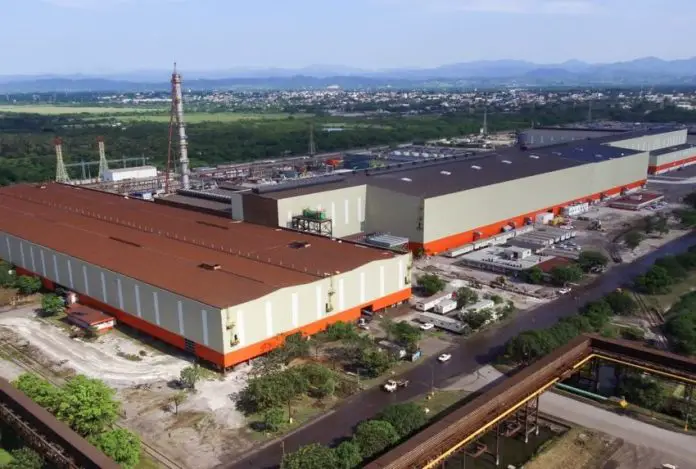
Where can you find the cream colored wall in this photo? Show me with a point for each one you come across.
(182, 316)
(394, 213)
(666, 158)
(465, 211)
(653, 142)
(345, 207)
(294, 307)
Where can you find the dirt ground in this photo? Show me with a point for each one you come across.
(208, 427)
(577, 449)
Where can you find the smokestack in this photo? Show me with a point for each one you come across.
(61, 171)
(178, 101)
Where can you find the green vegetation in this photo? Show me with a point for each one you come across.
(49, 110)
(563, 275)
(666, 272)
(592, 260)
(621, 303)
(88, 407)
(52, 305)
(633, 239)
(7, 275)
(394, 423)
(466, 296)
(28, 285)
(656, 224)
(680, 325)
(431, 284)
(25, 458)
(191, 375)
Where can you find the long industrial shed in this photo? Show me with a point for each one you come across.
(442, 204)
(226, 291)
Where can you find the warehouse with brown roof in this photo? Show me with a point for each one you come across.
(224, 290)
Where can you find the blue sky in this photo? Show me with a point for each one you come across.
(103, 36)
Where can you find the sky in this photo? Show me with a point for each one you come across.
(113, 36)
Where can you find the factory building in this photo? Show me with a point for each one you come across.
(456, 200)
(223, 290)
(670, 148)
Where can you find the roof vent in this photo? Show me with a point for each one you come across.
(507, 161)
(446, 173)
(299, 244)
(535, 157)
(210, 266)
(406, 179)
(475, 167)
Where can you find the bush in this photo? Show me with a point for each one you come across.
(405, 418)
(28, 285)
(52, 305)
(633, 239)
(680, 324)
(621, 303)
(341, 331)
(348, 454)
(314, 456)
(374, 436)
(7, 275)
(534, 276)
(655, 281)
(431, 283)
(562, 275)
(590, 260)
(466, 296)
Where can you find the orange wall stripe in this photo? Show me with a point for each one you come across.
(449, 242)
(667, 166)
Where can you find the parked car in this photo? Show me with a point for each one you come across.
(392, 385)
(427, 326)
(444, 357)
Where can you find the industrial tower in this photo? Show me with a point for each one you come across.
(61, 171)
(312, 145)
(103, 164)
(176, 118)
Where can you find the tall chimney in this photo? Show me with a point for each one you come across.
(177, 97)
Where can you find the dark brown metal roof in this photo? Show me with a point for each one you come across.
(165, 246)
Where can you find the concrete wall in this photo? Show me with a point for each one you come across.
(195, 321)
(394, 213)
(535, 138)
(252, 322)
(345, 207)
(653, 142)
(464, 211)
(291, 308)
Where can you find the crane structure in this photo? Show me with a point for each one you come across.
(176, 119)
(61, 170)
(103, 163)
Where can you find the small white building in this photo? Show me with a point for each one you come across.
(575, 209)
(124, 174)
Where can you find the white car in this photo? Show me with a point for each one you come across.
(444, 357)
(563, 291)
(427, 326)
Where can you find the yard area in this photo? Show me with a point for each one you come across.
(577, 449)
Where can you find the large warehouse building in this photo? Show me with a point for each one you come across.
(453, 201)
(226, 291)
(669, 148)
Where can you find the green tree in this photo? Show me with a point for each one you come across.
(591, 260)
(643, 392)
(178, 399)
(52, 305)
(466, 296)
(274, 419)
(28, 285)
(598, 313)
(87, 405)
(477, 319)
(374, 436)
(407, 335)
(190, 375)
(25, 458)
(621, 303)
(655, 281)
(295, 346)
(321, 380)
(680, 324)
(313, 456)
(121, 445)
(375, 361)
(341, 331)
(405, 418)
(562, 275)
(633, 239)
(7, 275)
(632, 333)
(534, 276)
(387, 325)
(431, 283)
(348, 454)
(39, 390)
(657, 223)
(690, 199)
(528, 346)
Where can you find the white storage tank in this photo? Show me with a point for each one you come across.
(124, 174)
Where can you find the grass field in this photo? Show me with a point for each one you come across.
(49, 110)
(143, 114)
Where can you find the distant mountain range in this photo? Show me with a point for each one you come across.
(643, 71)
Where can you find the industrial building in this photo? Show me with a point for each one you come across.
(671, 148)
(455, 200)
(223, 290)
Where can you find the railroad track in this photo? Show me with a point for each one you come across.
(654, 318)
(34, 366)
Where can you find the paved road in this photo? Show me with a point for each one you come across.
(467, 357)
(679, 449)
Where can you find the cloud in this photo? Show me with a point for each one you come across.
(534, 7)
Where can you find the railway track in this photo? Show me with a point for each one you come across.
(12, 354)
(654, 318)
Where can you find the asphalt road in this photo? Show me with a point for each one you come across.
(467, 357)
(671, 447)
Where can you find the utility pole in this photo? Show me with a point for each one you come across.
(103, 163)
